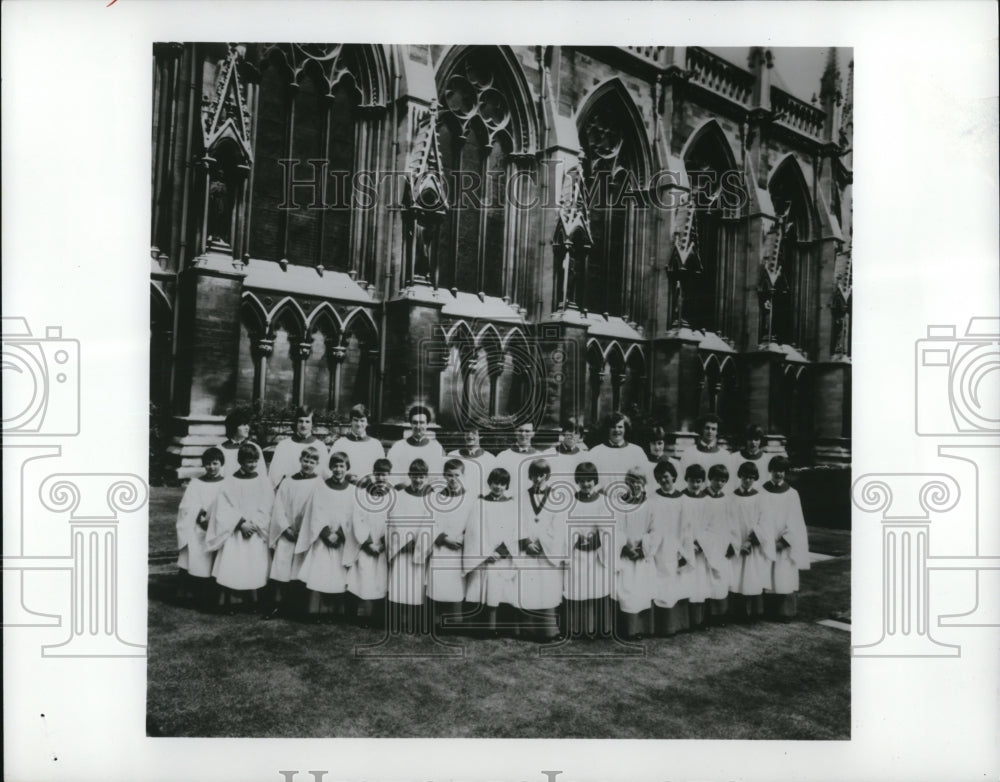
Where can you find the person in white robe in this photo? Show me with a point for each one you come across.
(706, 565)
(237, 434)
(720, 529)
(283, 533)
(567, 455)
(194, 560)
(615, 455)
(237, 532)
(515, 460)
(543, 553)
(488, 558)
(285, 460)
(752, 452)
(362, 450)
(656, 451)
(633, 546)
(673, 556)
(409, 527)
(477, 462)
(782, 509)
(707, 450)
(590, 572)
(418, 445)
(326, 527)
(365, 550)
(757, 554)
(452, 508)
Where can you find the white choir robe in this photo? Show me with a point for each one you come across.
(289, 505)
(477, 470)
(288, 452)
(737, 460)
(672, 580)
(362, 454)
(409, 520)
(491, 583)
(541, 576)
(231, 451)
(241, 563)
(634, 579)
(368, 576)
(653, 485)
(711, 569)
(752, 572)
(404, 452)
(719, 525)
(193, 556)
(783, 510)
(564, 464)
(590, 573)
(323, 567)
(452, 514)
(614, 461)
(516, 463)
(707, 458)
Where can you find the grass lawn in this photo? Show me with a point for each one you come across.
(213, 675)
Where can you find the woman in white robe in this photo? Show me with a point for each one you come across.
(237, 532)
(286, 523)
(237, 435)
(326, 526)
(194, 560)
(673, 556)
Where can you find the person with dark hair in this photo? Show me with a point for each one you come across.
(719, 527)
(656, 451)
(285, 460)
(752, 451)
(568, 452)
(692, 525)
(419, 445)
(237, 434)
(634, 557)
(753, 572)
(673, 556)
(283, 533)
(477, 463)
(237, 531)
(615, 454)
(515, 460)
(706, 450)
(542, 543)
(783, 510)
(322, 541)
(365, 558)
(194, 561)
(452, 508)
(361, 449)
(408, 532)
(488, 557)
(587, 607)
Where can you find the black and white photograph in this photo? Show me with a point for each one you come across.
(500, 391)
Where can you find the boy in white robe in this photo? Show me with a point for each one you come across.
(417, 446)
(542, 545)
(782, 508)
(719, 526)
(488, 557)
(692, 524)
(673, 556)
(194, 561)
(515, 460)
(286, 522)
(590, 572)
(409, 526)
(237, 434)
(616, 455)
(237, 531)
(568, 454)
(633, 545)
(707, 450)
(452, 507)
(364, 555)
(326, 526)
(285, 460)
(752, 451)
(753, 566)
(477, 462)
(362, 451)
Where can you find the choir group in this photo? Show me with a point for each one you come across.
(568, 542)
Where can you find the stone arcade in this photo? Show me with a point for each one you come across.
(503, 234)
